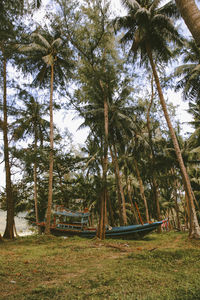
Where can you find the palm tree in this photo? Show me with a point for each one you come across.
(7, 36)
(9, 233)
(189, 72)
(150, 29)
(191, 15)
(47, 56)
(31, 123)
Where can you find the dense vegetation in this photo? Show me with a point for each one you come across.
(115, 73)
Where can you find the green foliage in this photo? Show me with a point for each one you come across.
(149, 24)
(189, 72)
(90, 66)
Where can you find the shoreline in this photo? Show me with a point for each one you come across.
(22, 227)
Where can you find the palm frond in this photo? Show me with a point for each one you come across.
(131, 4)
(57, 42)
(195, 150)
(154, 5)
(42, 39)
(170, 10)
(31, 47)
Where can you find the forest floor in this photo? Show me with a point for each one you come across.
(161, 266)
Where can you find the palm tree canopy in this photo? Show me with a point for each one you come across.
(44, 50)
(190, 72)
(149, 24)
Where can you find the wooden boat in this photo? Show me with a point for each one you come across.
(71, 223)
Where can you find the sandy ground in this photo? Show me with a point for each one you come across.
(21, 224)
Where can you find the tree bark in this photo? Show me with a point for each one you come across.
(35, 178)
(102, 222)
(111, 214)
(195, 230)
(50, 192)
(142, 194)
(121, 221)
(120, 185)
(191, 16)
(154, 182)
(130, 199)
(176, 205)
(9, 232)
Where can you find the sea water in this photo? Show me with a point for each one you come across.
(21, 224)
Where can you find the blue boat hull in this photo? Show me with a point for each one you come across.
(126, 232)
(122, 232)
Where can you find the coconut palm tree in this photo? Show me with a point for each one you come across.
(149, 28)
(190, 72)
(191, 15)
(51, 58)
(31, 123)
(8, 35)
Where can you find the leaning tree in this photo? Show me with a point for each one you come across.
(150, 30)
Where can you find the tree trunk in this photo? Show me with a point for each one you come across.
(176, 202)
(50, 192)
(155, 185)
(35, 177)
(111, 214)
(121, 221)
(142, 194)
(9, 232)
(103, 210)
(195, 230)
(120, 185)
(191, 16)
(130, 199)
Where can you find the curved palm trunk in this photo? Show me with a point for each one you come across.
(9, 232)
(141, 190)
(191, 16)
(50, 192)
(195, 230)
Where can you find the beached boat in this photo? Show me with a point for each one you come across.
(71, 223)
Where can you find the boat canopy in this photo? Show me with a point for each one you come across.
(60, 211)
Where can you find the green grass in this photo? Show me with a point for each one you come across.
(165, 266)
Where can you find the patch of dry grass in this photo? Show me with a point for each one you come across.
(165, 266)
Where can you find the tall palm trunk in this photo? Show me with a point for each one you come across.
(121, 222)
(103, 209)
(50, 192)
(195, 230)
(191, 15)
(142, 194)
(116, 165)
(111, 214)
(176, 205)
(35, 178)
(155, 185)
(9, 232)
(128, 183)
